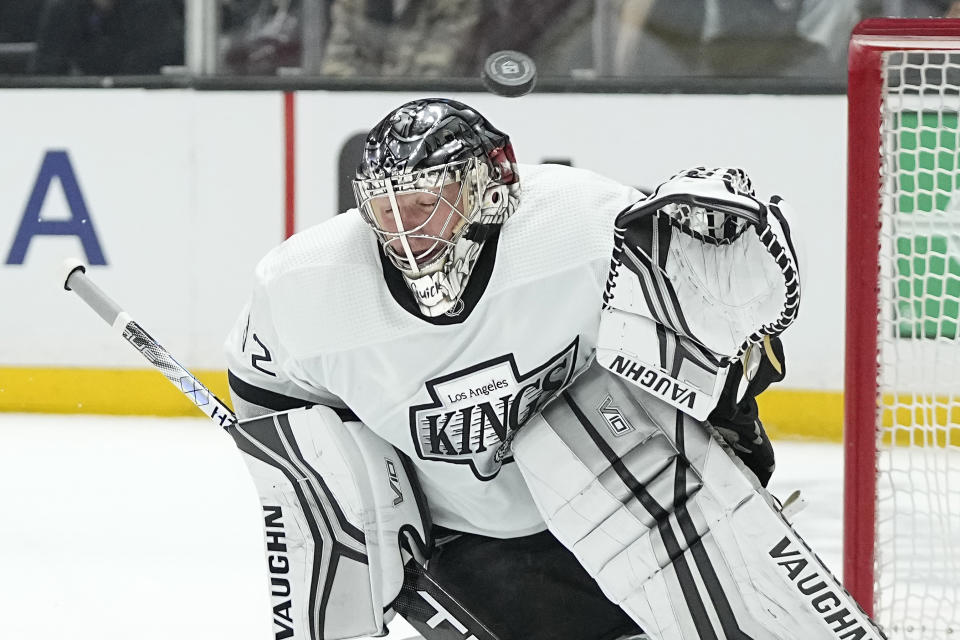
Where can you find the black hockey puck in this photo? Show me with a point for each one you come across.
(509, 73)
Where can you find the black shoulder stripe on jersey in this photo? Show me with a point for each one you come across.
(695, 604)
(277, 401)
(476, 285)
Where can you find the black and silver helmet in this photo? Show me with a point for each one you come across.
(453, 175)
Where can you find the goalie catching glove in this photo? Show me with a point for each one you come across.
(701, 271)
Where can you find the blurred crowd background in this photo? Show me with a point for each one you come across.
(443, 38)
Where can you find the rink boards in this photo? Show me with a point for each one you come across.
(177, 194)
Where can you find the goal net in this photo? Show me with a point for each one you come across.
(902, 385)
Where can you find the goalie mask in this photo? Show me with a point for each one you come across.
(436, 181)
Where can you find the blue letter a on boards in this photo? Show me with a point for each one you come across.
(56, 164)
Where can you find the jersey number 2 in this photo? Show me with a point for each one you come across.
(257, 358)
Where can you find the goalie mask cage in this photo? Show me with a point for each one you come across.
(902, 377)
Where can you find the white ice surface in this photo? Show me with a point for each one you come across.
(149, 528)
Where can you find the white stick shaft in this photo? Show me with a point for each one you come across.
(78, 282)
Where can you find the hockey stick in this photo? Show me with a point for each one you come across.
(77, 281)
(423, 602)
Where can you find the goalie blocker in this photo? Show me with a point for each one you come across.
(347, 532)
(341, 517)
(671, 525)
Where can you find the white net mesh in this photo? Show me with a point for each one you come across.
(917, 579)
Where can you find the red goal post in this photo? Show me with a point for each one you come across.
(902, 368)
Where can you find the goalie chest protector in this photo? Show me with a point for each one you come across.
(449, 395)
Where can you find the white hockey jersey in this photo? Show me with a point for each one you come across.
(330, 322)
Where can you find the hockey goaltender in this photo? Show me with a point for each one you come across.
(518, 402)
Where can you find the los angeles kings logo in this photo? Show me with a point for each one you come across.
(476, 411)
